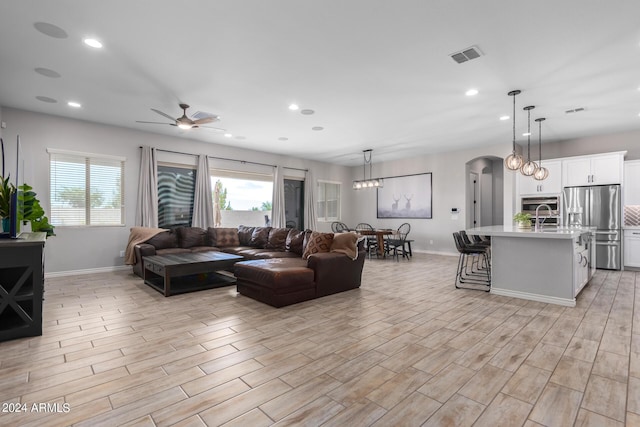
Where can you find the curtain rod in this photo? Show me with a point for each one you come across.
(231, 160)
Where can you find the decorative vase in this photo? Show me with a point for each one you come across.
(6, 224)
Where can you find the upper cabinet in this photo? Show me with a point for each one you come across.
(593, 170)
(632, 182)
(552, 185)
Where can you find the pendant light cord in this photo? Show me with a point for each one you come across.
(528, 135)
(540, 142)
(514, 122)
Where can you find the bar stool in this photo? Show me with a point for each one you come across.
(475, 275)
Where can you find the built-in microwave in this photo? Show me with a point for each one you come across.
(530, 204)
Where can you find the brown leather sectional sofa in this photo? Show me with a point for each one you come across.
(275, 271)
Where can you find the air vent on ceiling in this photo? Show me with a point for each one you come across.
(466, 55)
(575, 110)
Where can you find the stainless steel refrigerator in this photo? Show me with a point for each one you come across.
(597, 206)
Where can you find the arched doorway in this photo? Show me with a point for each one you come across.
(484, 192)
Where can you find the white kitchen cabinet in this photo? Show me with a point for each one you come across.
(632, 182)
(593, 170)
(527, 185)
(632, 248)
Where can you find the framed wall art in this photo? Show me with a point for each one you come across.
(407, 196)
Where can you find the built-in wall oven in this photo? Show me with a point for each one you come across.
(530, 204)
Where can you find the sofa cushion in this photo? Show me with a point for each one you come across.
(244, 234)
(191, 236)
(277, 239)
(164, 240)
(318, 243)
(295, 241)
(226, 237)
(346, 243)
(278, 275)
(259, 237)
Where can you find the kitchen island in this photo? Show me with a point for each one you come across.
(551, 265)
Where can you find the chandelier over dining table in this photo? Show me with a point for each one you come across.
(371, 182)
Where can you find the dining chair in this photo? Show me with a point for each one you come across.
(339, 227)
(371, 239)
(396, 243)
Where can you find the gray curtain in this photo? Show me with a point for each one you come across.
(278, 217)
(310, 217)
(147, 204)
(202, 199)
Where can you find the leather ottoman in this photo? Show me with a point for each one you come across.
(277, 282)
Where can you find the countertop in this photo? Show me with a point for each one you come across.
(548, 233)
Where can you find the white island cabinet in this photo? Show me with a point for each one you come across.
(550, 266)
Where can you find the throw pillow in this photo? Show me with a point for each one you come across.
(259, 237)
(346, 243)
(277, 239)
(227, 237)
(294, 241)
(318, 243)
(244, 234)
(189, 237)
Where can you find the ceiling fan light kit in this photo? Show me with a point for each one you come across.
(371, 182)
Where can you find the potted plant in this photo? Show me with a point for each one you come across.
(33, 212)
(6, 190)
(522, 219)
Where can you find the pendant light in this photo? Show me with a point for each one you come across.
(529, 167)
(371, 182)
(514, 160)
(541, 173)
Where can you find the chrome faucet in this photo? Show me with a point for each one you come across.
(539, 226)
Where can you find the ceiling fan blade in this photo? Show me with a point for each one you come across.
(205, 120)
(163, 114)
(156, 123)
(215, 129)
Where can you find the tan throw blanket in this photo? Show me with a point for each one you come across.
(138, 235)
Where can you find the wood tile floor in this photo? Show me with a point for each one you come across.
(406, 349)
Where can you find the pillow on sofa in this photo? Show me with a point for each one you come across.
(295, 241)
(277, 239)
(346, 243)
(259, 237)
(164, 240)
(189, 237)
(244, 234)
(226, 237)
(318, 243)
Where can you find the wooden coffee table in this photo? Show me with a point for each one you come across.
(173, 274)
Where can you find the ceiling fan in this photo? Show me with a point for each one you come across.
(185, 122)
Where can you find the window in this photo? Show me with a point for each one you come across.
(176, 189)
(241, 198)
(328, 201)
(86, 189)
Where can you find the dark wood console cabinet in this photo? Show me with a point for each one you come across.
(21, 285)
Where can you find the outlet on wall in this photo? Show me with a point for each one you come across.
(121, 254)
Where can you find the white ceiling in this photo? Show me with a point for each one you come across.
(377, 73)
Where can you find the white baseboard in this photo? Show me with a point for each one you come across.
(534, 297)
(51, 274)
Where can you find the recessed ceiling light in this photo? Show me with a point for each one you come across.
(526, 134)
(504, 117)
(471, 92)
(74, 104)
(228, 135)
(317, 128)
(307, 112)
(93, 43)
(293, 107)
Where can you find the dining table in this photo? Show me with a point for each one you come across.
(379, 233)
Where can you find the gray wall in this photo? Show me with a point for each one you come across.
(450, 176)
(78, 248)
